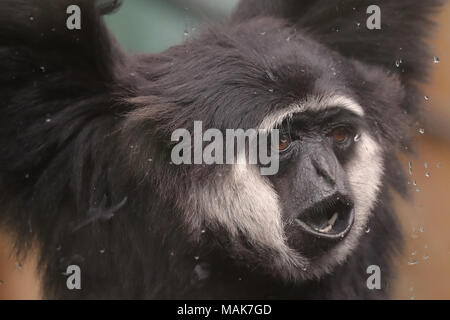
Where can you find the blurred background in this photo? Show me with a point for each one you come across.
(423, 270)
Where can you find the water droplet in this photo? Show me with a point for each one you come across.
(413, 253)
(19, 266)
(421, 131)
(186, 33)
(426, 257)
(149, 159)
(203, 231)
(27, 176)
(421, 229)
(172, 253)
(102, 251)
(196, 258)
(436, 60)
(410, 167)
(358, 24)
(202, 271)
(425, 165)
(288, 39)
(270, 90)
(42, 68)
(262, 33)
(418, 190)
(398, 63)
(367, 229)
(48, 120)
(427, 174)
(413, 262)
(426, 98)
(31, 18)
(414, 183)
(271, 75)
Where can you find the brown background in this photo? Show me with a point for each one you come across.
(424, 267)
(430, 210)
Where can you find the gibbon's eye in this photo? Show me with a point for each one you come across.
(285, 142)
(341, 134)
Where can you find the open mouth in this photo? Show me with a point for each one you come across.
(330, 218)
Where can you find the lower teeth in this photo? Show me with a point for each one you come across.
(331, 223)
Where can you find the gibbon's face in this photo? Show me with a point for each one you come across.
(314, 183)
(301, 222)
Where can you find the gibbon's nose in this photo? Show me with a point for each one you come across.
(325, 168)
(330, 218)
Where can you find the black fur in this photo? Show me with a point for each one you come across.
(85, 137)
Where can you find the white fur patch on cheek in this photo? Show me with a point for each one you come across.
(364, 174)
(244, 203)
(250, 205)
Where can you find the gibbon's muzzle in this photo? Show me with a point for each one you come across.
(331, 218)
